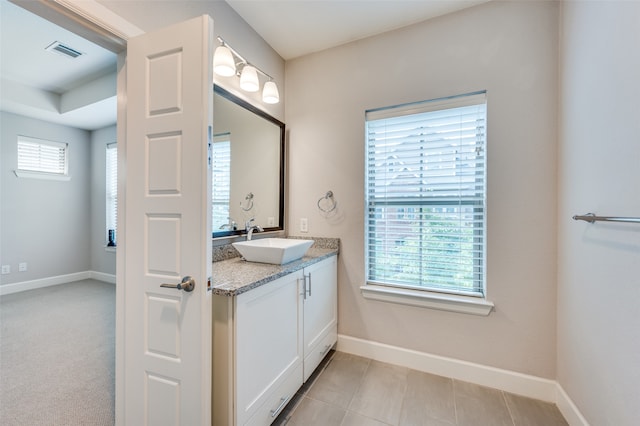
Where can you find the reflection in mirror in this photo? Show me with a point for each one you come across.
(248, 166)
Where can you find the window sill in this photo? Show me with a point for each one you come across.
(41, 175)
(427, 299)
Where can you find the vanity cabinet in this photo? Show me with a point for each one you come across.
(320, 299)
(267, 341)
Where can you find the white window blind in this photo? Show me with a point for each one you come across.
(112, 192)
(221, 176)
(42, 156)
(425, 195)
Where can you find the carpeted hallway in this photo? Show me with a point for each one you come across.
(57, 355)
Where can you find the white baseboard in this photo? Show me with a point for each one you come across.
(506, 380)
(101, 276)
(568, 409)
(60, 279)
(509, 381)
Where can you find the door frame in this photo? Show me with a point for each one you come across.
(103, 27)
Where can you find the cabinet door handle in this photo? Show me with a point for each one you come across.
(326, 349)
(309, 282)
(283, 402)
(304, 287)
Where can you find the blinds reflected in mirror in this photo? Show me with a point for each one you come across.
(221, 179)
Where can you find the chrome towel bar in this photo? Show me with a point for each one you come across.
(591, 218)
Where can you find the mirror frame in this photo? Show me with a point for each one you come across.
(253, 109)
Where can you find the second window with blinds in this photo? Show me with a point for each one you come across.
(111, 191)
(425, 198)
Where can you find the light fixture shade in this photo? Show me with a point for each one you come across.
(249, 79)
(270, 93)
(223, 62)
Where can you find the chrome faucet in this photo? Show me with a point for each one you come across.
(249, 227)
(232, 225)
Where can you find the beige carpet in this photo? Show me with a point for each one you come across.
(57, 355)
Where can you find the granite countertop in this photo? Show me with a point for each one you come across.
(235, 276)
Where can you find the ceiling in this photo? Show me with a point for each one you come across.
(81, 92)
(299, 27)
(48, 85)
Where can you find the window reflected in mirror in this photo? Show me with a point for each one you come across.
(221, 177)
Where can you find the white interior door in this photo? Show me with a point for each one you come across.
(167, 331)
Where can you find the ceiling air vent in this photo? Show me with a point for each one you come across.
(67, 51)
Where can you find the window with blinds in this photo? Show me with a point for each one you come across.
(112, 193)
(425, 195)
(42, 156)
(221, 175)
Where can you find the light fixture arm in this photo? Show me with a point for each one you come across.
(225, 62)
(241, 58)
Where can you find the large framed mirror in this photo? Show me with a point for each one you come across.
(248, 166)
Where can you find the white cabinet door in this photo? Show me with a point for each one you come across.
(167, 331)
(268, 345)
(269, 340)
(320, 312)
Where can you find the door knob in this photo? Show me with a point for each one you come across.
(187, 284)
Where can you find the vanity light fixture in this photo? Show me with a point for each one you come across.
(249, 79)
(227, 62)
(270, 93)
(223, 62)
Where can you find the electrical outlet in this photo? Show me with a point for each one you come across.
(22, 267)
(304, 225)
(271, 221)
(6, 269)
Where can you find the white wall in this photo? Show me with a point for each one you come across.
(45, 223)
(56, 227)
(101, 260)
(509, 49)
(599, 164)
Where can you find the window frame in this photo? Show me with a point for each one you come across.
(417, 294)
(62, 175)
(111, 193)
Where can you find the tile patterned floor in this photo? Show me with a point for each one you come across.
(349, 390)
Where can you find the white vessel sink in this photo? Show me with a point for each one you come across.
(273, 250)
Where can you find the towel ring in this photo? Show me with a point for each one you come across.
(328, 196)
(249, 199)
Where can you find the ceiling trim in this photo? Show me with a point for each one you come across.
(87, 18)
